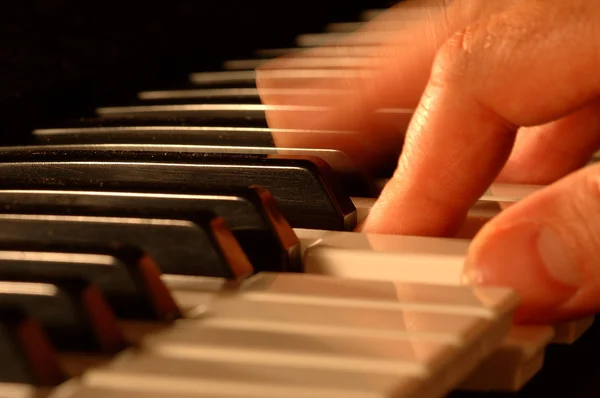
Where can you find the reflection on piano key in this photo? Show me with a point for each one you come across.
(365, 38)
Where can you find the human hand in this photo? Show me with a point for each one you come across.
(504, 90)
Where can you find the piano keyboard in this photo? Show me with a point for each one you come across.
(167, 248)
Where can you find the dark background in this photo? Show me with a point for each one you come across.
(61, 58)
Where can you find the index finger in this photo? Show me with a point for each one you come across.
(490, 78)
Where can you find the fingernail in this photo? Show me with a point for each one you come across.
(528, 257)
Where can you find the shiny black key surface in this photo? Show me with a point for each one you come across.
(305, 188)
(72, 311)
(26, 354)
(152, 131)
(252, 215)
(128, 277)
(202, 248)
(353, 179)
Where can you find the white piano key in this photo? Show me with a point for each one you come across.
(343, 27)
(417, 349)
(509, 193)
(150, 372)
(302, 62)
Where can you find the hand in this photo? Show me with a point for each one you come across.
(504, 90)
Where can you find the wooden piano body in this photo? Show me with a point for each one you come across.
(63, 59)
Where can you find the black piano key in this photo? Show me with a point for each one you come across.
(72, 311)
(128, 277)
(251, 214)
(305, 188)
(209, 95)
(353, 179)
(26, 354)
(203, 248)
(248, 115)
(152, 130)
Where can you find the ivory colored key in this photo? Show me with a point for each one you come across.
(396, 351)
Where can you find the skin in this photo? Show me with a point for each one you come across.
(502, 90)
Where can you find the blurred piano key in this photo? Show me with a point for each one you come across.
(248, 77)
(306, 188)
(28, 357)
(411, 259)
(337, 51)
(343, 27)
(252, 215)
(364, 38)
(354, 180)
(72, 311)
(128, 278)
(205, 247)
(302, 62)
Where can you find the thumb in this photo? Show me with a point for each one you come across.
(547, 248)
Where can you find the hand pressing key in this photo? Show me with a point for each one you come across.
(504, 90)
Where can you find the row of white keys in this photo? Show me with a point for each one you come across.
(299, 335)
(431, 260)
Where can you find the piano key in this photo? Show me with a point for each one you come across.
(305, 188)
(206, 378)
(233, 95)
(365, 38)
(248, 77)
(233, 346)
(353, 179)
(28, 358)
(160, 131)
(337, 51)
(128, 278)
(251, 214)
(512, 366)
(72, 311)
(411, 259)
(344, 27)
(302, 62)
(181, 247)
(266, 299)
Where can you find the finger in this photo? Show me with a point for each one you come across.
(549, 152)
(546, 247)
(492, 77)
(395, 77)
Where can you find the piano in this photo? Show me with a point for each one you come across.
(154, 242)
